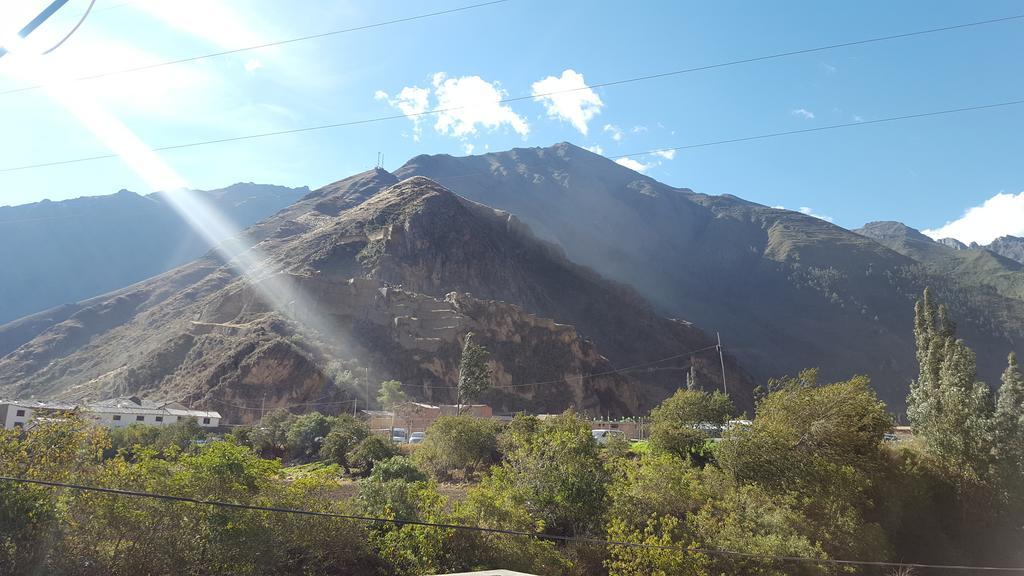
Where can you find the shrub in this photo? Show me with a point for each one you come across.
(679, 424)
(459, 443)
(371, 450)
(344, 436)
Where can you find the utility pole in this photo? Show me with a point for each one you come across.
(263, 406)
(721, 359)
(367, 372)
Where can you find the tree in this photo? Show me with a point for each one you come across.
(1008, 433)
(681, 423)
(270, 435)
(65, 449)
(552, 480)
(458, 443)
(397, 489)
(752, 520)
(346, 433)
(656, 553)
(474, 373)
(822, 445)
(306, 434)
(391, 394)
(371, 450)
(947, 405)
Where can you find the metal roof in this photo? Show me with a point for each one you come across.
(194, 413)
(40, 405)
(123, 410)
(487, 573)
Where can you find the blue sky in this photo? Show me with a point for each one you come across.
(924, 172)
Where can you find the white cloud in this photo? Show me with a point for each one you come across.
(857, 118)
(574, 103)
(467, 148)
(666, 154)
(779, 207)
(614, 130)
(412, 101)
(468, 101)
(595, 149)
(1000, 215)
(803, 113)
(830, 69)
(810, 212)
(634, 164)
(639, 129)
(464, 105)
(253, 64)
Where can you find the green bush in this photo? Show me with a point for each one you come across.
(370, 450)
(344, 436)
(458, 443)
(679, 424)
(306, 435)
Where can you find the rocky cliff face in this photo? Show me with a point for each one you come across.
(1010, 247)
(786, 290)
(382, 276)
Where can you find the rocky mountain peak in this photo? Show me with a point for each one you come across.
(891, 230)
(952, 243)
(1011, 247)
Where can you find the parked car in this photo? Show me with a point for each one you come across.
(603, 436)
(417, 437)
(399, 435)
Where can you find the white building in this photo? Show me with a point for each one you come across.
(18, 413)
(113, 413)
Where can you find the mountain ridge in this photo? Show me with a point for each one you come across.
(406, 272)
(65, 251)
(786, 290)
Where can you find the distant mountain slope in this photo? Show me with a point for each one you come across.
(54, 253)
(786, 290)
(969, 266)
(1010, 247)
(400, 272)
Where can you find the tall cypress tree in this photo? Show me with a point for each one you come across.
(922, 403)
(474, 373)
(947, 404)
(1008, 433)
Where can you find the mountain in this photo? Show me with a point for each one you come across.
(970, 266)
(952, 243)
(370, 274)
(786, 290)
(1011, 247)
(54, 253)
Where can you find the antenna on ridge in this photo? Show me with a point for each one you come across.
(378, 161)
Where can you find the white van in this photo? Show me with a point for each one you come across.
(603, 435)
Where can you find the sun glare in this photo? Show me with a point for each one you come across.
(276, 289)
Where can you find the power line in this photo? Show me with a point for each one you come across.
(822, 128)
(773, 56)
(518, 98)
(469, 528)
(74, 29)
(442, 110)
(582, 376)
(289, 405)
(265, 45)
